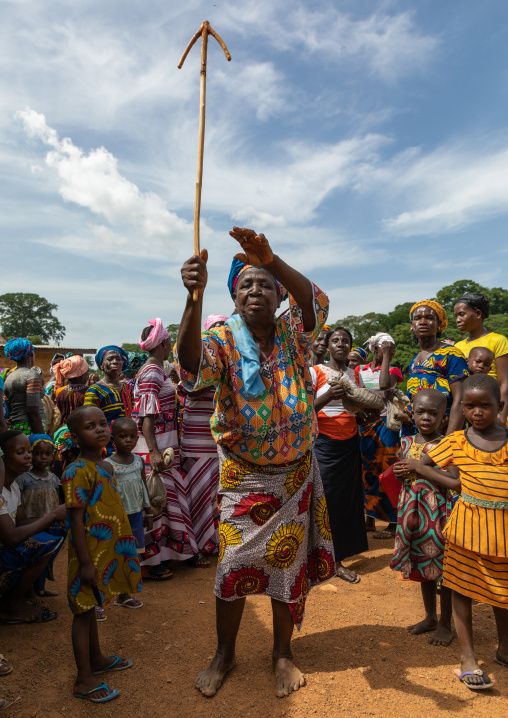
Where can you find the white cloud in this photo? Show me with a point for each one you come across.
(93, 181)
(258, 86)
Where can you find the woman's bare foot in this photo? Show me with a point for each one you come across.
(442, 636)
(210, 680)
(287, 676)
(86, 686)
(370, 523)
(47, 593)
(428, 624)
(101, 663)
(346, 574)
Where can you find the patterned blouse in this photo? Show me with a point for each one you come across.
(441, 369)
(113, 401)
(279, 426)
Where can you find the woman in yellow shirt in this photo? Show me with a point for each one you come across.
(470, 312)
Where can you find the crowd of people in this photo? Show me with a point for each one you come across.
(272, 443)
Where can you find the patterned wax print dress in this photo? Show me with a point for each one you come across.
(172, 536)
(476, 553)
(423, 512)
(274, 530)
(109, 539)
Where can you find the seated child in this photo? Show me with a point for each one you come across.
(129, 471)
(27, 547)
(103, 560)
(480, 360)
(422, 513)
(476, 554)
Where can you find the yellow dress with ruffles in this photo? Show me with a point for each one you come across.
(476, 552)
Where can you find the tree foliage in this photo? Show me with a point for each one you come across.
(397, 323)
(29, 315)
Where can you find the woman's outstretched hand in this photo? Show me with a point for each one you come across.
(256, 249)
(194, 272)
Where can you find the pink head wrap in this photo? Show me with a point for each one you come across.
(70, 368)
(213, 319)
(156, 336)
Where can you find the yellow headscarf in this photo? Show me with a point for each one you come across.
(441, 314)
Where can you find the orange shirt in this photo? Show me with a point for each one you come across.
(333, 419)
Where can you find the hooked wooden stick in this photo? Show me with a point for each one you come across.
(203, 31)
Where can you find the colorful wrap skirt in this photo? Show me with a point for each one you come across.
(274, 531)
(378, 447)
(15, 561)
(419, 540)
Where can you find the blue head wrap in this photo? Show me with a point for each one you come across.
(35, 438)
(112, 348)
(18, 349)
(361, 353)
(237, 267)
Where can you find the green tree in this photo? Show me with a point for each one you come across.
(23, 315)
(447, 296)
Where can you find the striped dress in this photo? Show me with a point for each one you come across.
(476, 552)
(199, 463)
(172, 536)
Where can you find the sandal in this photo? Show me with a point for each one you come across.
(99, 614)
(345, 575)
(5, 666)
(129, 603)
(111, 667)
(43, 617)
(384, 534)
(103, 687)
(199, 560)
(474, 686)
(156, 573)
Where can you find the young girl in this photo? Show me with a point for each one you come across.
(39, 485)
(103, 560)
(27, 548)
(422, 514)
(476, 554)
(130, 478)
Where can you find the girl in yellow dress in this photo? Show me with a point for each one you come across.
(476, 552)
(103, 559)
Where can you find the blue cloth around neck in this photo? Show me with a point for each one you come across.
(249, 352)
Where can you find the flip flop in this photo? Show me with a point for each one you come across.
(498, 659)
(194, 561)
(147, 574)
(103, 687)
(473, 686)
(341, 573)
(129, 664)
(129, 603)
(43, 617)
(381, 535)
(5, 666)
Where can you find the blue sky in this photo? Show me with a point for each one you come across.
(367, 140)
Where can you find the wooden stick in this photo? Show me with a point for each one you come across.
(203, 31)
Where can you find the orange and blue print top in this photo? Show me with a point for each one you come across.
(278, 426)
(441, 369)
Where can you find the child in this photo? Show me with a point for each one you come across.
(130, 478)
(39, 489)
(422, 514)
(27, 548)
(103, 559)
(39, 486)
(480, 360)
(476, 557)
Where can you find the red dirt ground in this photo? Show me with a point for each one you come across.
(354, 649)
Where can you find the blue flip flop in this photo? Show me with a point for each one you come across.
(103, 687)
(474, 686)
(112, 667)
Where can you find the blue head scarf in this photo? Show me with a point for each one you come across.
(112, 348)
(35, 438)
(249, 352)
(361, 353)
(18, 349)
(237, 267)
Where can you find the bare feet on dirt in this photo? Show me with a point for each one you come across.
(211, 679)
(288, 677)
(442, 636)
(428, 624)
